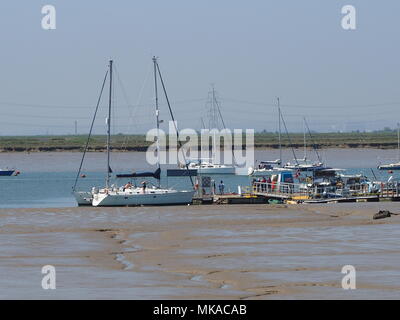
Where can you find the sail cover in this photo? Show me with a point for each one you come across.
(156, 174)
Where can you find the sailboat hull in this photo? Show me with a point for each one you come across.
(83, 198)
(150, 198)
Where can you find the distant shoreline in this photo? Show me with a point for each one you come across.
(381, 146)
(138, 143)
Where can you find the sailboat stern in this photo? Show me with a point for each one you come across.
(83, 198)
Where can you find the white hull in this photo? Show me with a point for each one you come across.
(264, 172)
(211, 170)
(83, 198)
(261, 172)
(151, 197)
(216, 170)
(391, 166)
(205, 167)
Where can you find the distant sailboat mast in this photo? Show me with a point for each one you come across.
(312, 140)
(304, 138)
(279, 131)
(109, 128)
(398, 142)
(157, 115)
(214, 124)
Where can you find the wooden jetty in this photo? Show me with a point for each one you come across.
(294, 194)
(230, 199)
(262, 192)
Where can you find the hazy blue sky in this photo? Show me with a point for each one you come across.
(251, 50)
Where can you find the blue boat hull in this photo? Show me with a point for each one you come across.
(181, 172)
(6, 172)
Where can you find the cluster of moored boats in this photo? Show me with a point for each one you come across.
(306, 175)
(316, 182)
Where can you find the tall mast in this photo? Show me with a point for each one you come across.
(279, 131)
(304, 137)
(214, 123)
(398, 142)
(157, 113)
(109, 127)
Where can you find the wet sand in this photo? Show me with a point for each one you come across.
(196, 252)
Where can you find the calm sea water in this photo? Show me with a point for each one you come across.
(46, 179)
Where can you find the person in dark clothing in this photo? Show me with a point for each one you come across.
(144, 185)
(221, 187)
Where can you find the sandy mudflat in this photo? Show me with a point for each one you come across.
(215, 252)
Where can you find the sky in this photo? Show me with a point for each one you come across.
(251, 51)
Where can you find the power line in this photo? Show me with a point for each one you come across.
(381, 104)
(53, 106)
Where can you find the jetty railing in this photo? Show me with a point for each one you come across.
(286, 190)
(390, 189)
(318, 191)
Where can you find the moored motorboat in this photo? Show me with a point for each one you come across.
(390, 166)
(7, 172)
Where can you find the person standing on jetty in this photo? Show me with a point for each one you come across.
(221, 187)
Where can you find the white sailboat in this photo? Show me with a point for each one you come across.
(395, 165)
(210, 165)
(268, 166)
(304, 164)
(207, 166)
(130, 195)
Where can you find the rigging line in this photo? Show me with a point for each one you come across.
(114, 99)
(124, 94)
(290, 141)
(132, 111)
(202, 122)
(312, 140)
(90, 131)
(223, 122)
(173, 120)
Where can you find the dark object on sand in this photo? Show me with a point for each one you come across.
(382, 214)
